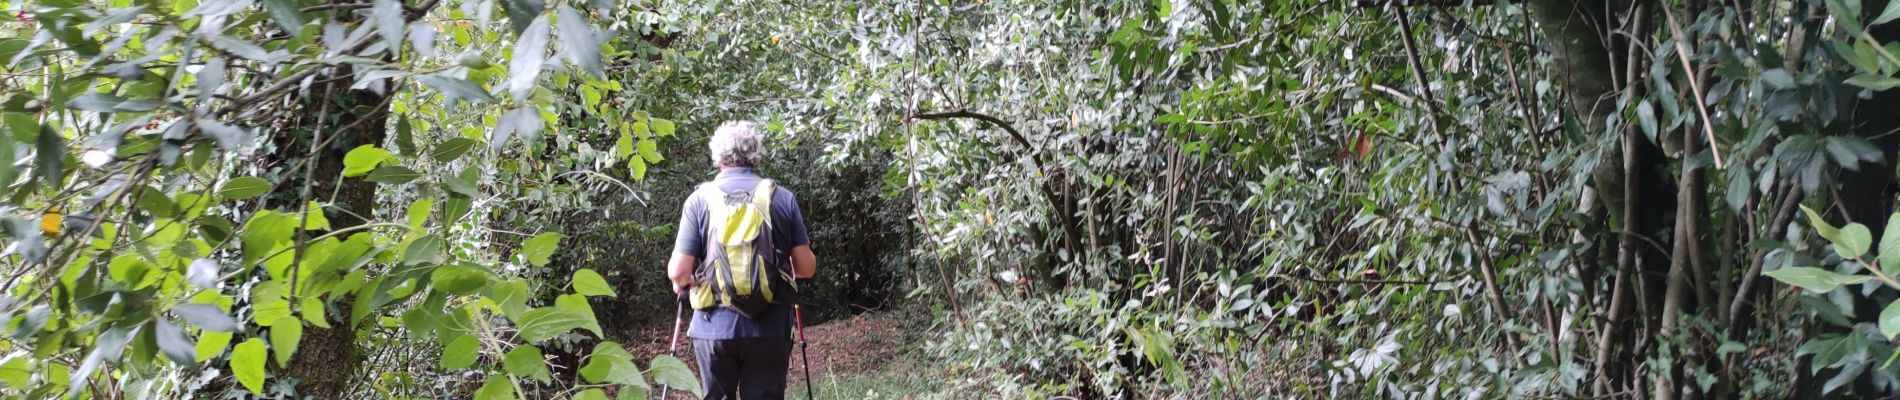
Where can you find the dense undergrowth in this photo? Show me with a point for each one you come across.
(1079, 199)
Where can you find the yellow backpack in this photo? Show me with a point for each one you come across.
(735, 273)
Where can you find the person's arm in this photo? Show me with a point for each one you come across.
(804, 263)
(680, 271)
(792, 229)
(688, 245)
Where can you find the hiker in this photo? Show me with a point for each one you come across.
(742, 322)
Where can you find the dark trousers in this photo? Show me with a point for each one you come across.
(750, 368)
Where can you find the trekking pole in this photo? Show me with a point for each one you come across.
(803, 349)
(679, 315)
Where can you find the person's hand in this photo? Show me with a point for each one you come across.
(679, 289)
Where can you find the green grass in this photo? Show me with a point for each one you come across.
(890, 383)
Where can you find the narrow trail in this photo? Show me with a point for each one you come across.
(859, 344)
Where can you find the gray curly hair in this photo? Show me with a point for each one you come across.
(736, 144)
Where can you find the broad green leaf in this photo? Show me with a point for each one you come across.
(662, 127)
(387, 15)
(285, 335)
(592, 394)
(1777, 78)
(670, 372)
(461, 353)
(1890, 244)
(205, 316)
(577, 305)
(611, 363)
(243, 188)
(527, 361)
(650, 151)
(286, 15)
(1874, 82)
(1892, 11)
(247, 363)
(638, 167)
(542, 323)
(1821, 227)
(1890, 320)
(579, 41)
(459, 279)
(426, 250)
(211, 344)
(623, 148)
(452, 149)
(393, 175)
(364, 159)
(50, 159)
(524, 122)
(1646, 117)
(1853, 242)
(239, 47)
(540, 248)
(511, 297)
(589, 283)
(498, 387)
(456, 90)
(530, 51)
(1815, 279)
(16, 371)
(172, 342)
(418, 213)
(314, 220)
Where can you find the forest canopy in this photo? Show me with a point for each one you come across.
(1057, 199)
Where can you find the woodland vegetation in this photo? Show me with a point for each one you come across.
(1423, 199)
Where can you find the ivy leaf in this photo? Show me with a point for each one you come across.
(530, 51)
(247, 363)
(526, 360)
(243, 188)
(452, 149)
(206, 316)
(672, 373)
(1815, 279)
(540, 248)
(579, 41)
(393, 175)
(284, 337)
(363, 159)
(589, 283)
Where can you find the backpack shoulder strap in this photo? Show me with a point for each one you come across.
(762, 197)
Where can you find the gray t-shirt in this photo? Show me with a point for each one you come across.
(788, 231)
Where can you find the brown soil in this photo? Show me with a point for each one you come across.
(859, 344)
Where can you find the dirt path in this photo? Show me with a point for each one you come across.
(843, 347)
